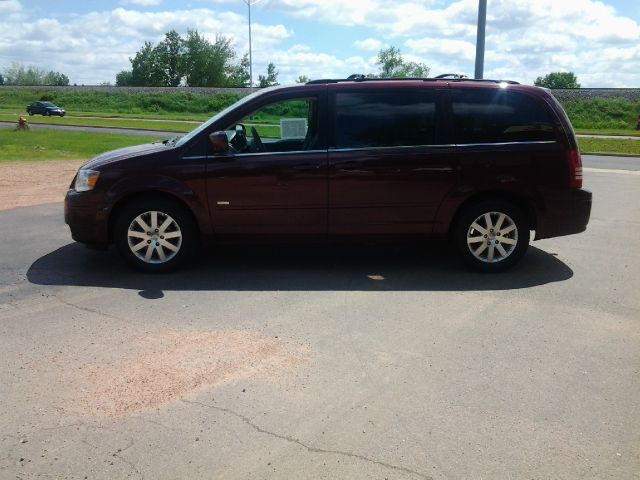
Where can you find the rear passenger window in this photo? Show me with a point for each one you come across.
(498, 116)
(385, 119)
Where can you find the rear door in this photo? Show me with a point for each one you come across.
(391, 161)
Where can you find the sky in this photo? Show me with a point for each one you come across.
(92, 40)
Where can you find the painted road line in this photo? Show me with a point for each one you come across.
(610, 170)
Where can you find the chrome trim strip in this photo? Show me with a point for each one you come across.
(440, 145)
(259, 154)
(398, 147)
(533, 142)
(196, 157)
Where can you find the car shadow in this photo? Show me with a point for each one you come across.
(429, 267)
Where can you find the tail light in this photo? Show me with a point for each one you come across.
(575, 168)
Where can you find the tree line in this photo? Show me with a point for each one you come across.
(18, 74)
(193, 61)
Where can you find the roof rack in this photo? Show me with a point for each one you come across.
(446, 77)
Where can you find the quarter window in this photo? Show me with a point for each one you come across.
(490, 116)
(385, 119)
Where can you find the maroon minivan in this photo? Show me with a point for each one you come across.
(479, 162)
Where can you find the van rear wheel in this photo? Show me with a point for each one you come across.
(492, 235)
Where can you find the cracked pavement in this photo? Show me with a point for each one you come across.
(412, 367)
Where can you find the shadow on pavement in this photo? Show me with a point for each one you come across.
(264, 268)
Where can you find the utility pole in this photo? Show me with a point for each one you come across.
(482, 22)
(249, 3)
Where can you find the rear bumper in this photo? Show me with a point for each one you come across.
(567, 214)
(88, 223)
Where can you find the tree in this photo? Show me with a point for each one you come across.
(1, 79)
(303, 79)
(240, 74)
(170, 55)
(124, 78)
(392, 65)
(18, 74)
(56, 78)
(208, 64)
(146, 69)
(270, 79)
(558, 80)
(194, 61)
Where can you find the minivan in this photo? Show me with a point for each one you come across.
(479, 163)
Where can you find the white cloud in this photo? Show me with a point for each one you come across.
(525, 38)
(93, 47)
(369, 44)
(142, 3)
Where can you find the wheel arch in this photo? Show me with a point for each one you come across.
(130, 197)
(519, 200)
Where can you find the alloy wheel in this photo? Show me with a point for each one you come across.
(154, 237)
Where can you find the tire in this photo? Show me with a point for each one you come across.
(46, 113)
(481, 245)
(30, 113)
(168, 225)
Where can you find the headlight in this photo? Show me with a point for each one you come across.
(86, 180)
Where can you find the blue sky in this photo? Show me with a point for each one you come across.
(92, 40)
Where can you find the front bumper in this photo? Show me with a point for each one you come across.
(566, 214)
(88, 223)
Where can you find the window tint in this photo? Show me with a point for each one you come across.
(490, 116)
(285, 126)
(384, 119)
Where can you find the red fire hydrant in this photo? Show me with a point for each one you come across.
(22, 124)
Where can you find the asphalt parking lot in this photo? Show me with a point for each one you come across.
(324, 362)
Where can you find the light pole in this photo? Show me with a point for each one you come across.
(249, 3)
(482, 22)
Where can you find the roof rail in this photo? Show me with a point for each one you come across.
(447, 77)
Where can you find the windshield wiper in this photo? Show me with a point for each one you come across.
(172, 140)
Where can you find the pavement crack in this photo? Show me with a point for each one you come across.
(86, 309)
(131, 464)
(309, 448)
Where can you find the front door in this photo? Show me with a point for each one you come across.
(273, 182)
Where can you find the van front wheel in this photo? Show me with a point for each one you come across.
(492, 235)
(155, 235)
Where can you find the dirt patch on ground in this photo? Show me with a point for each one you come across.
(163, 367)
(32, 183)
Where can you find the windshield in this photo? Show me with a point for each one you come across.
(48, 104)
(216, 117)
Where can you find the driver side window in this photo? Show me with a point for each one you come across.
(286, 126)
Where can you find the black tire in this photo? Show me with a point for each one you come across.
(182, 224)
(513, 241)
(46, 113)
(30, 113)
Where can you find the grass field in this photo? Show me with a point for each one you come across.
(118, 102)
(609, 131)
(165, 116)
(610, 145)
(51, 145)
(163, 126)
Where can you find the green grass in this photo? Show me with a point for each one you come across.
(602, 114)
(609, 131)
(191, 117)
(609, 145)
(51, 145)
(167, 126)
(118, 102)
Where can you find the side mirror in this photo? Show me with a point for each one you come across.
(220, 142)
